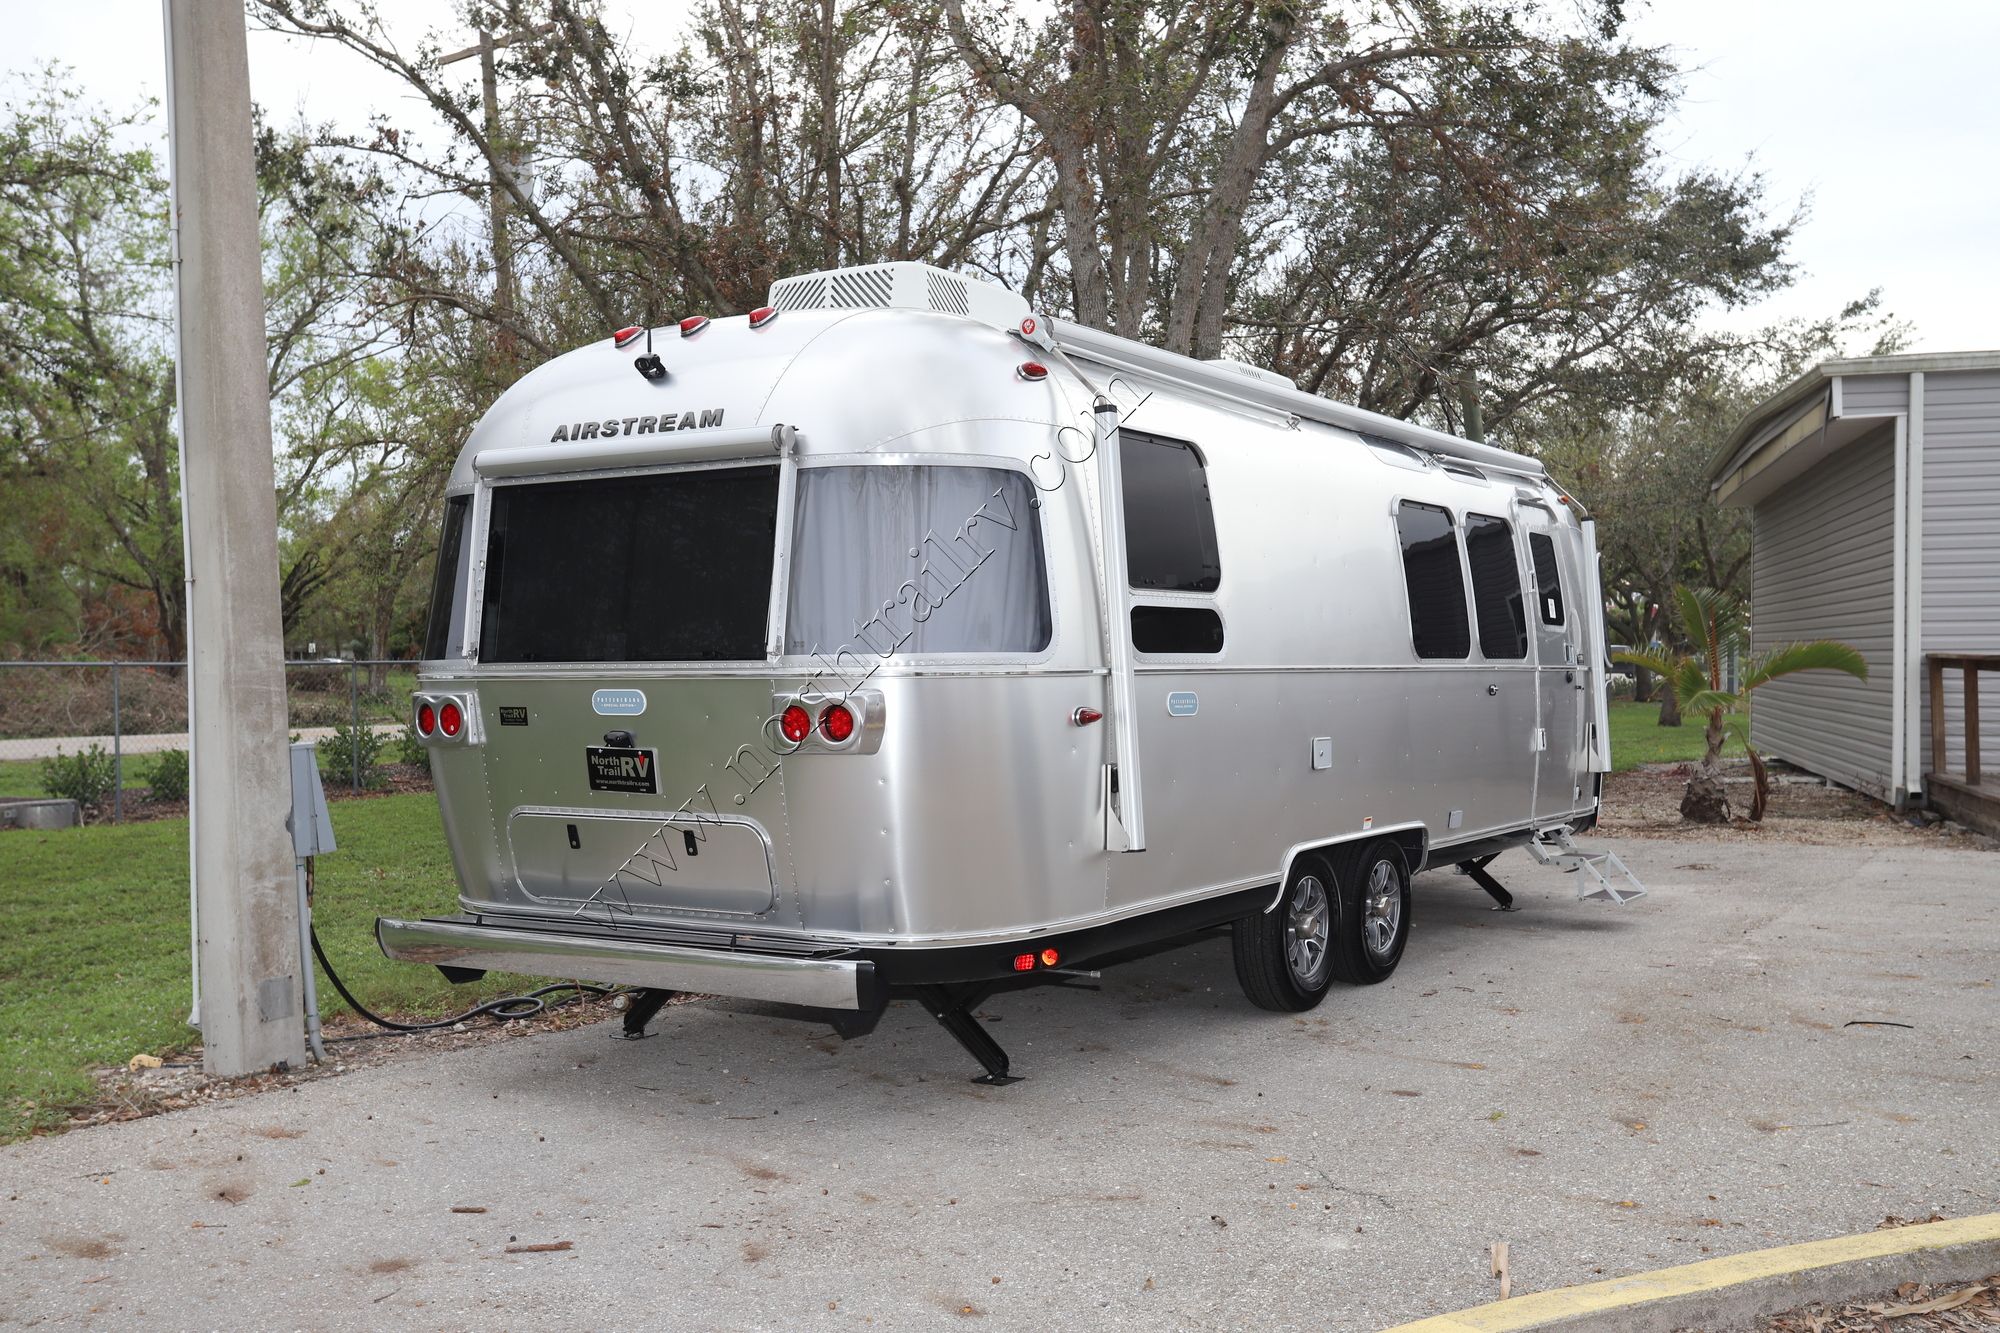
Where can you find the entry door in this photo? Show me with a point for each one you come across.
(1556, 626)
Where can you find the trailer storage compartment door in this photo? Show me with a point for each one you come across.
(627, 862)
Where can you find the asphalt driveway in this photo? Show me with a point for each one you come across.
(1608, 1089)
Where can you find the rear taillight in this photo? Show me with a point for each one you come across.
(450, 720)
(796, 724)
(836, 723)
(427, 719)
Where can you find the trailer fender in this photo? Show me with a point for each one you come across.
(1414, 837)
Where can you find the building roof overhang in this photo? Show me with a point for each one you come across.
(1796, 427)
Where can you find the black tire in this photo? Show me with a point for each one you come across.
(1373, 923)
(1284, 957)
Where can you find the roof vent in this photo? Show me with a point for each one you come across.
(1257, 373)
(901, 286)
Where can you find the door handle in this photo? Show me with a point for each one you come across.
(1492, 689)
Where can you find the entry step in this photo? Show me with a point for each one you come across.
(1604, 877)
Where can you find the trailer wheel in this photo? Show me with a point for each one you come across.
(1284, 957)
(1373, 924)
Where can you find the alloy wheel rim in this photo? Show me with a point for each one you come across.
(1308, 923)
(1381, 909)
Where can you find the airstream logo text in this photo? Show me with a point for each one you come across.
(598, 430)
(618, 703)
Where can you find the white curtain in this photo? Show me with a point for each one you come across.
(851, 552)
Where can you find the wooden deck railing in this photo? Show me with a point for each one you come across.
(1971, 664)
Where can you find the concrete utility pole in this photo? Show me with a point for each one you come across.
(504, 295)
(245, 900)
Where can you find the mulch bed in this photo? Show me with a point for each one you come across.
(1646, 803)
(1913, 1307)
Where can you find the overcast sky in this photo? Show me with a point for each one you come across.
(1884, 119)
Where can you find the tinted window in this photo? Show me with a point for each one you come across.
(1547, 580)
(1176, 629)
(1169, 525)
(442, 636)
(955, 553)
(672, 567)
(1436, 587)
(1496, 586)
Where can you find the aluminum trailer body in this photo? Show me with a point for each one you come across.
(1125, 644)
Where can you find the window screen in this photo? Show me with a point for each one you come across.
(1431, 573)
(1547, 580)
(1169, 524)
(445, 634)
(1496, 586)
(669, 567)
(1176, 629)
(869, 535)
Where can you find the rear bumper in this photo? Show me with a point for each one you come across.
(820, 983)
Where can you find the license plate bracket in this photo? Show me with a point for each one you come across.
(632, 770)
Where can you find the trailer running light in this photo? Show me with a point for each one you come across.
(450, 720)
(836, 723)
(625, 335)
(762, 315)
(796, 724)
(427, 719)
(693, 324)
(1032, 371)
(1024, 962)
(1083, 717)
(1050, 958)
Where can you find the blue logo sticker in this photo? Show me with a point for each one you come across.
(1182, 703)
(618, 703)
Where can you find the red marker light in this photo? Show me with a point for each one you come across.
(836, 723)
(796, 723)
(762, 315)
(427, 719)
(1083, 717)
(626, 335)
(450, 720)
(1024, 962)
(693, 324)
(1032, 371)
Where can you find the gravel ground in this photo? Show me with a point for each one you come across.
(1782, 1042)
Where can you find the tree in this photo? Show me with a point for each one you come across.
(86, 384)
(1716, 622)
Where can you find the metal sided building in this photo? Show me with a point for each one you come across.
(1874, 487)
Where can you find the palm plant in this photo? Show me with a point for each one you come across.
(1717, 626)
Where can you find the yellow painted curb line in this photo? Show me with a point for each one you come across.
(1711, 1275)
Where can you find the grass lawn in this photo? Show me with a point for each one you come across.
(23, 777)
(1638, 738)
(94, 942)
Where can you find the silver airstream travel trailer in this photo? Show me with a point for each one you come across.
(894, 638)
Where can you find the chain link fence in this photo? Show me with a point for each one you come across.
(113, 735)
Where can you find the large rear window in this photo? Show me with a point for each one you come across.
(895, 559)
(667, 567)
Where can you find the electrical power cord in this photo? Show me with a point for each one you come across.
(531, 1005)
